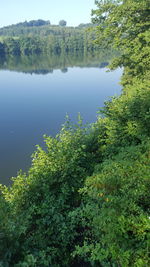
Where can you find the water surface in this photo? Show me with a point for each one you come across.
(35, 102)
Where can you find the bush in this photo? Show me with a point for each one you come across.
(40, 202)
(115, 213)
(127, 118)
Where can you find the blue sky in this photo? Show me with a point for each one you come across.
(73, 11)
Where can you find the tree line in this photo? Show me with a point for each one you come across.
(39, 27)
(58, 40)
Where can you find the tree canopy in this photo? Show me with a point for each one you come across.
(125, 25)
(62, 23)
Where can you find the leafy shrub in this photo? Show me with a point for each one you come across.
(127, 118)
(40, 202)
(116, 212)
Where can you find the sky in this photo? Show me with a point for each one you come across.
(73, 11)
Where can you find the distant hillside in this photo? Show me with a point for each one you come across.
(37, 27)
(31, 23)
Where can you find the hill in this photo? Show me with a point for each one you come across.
(39, 27)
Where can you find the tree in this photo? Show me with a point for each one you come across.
(62, 23)
(115, 211)
(2, 49)
(125, 25)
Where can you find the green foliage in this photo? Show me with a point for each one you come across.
(116, 210)
(58, 40)
(125, 25)
(127, 117)
(31, 23)
(30, 45)
(11, 46)
(47, 39)
(41, 202)
(2, 49)
(62, 23)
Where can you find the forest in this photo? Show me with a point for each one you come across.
(22, 39)
(85, 199)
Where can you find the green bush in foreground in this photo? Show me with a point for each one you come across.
(40, 202)
(116, 212)
(127, 118)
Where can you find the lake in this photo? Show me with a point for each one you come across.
(35, 96)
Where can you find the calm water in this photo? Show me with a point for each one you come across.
(35, 104)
